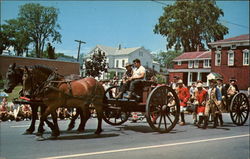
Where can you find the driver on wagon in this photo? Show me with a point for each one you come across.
(139, 73)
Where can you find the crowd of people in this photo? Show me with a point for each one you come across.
(204, 102)
(16, 112)
(10, 111)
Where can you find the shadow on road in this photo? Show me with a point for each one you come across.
(144, 129)
(85, 136)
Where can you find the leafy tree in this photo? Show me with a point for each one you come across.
(16, 36)
(5, 41)
(40, 22)
(190, 24)
(96, 64)
(166, 58)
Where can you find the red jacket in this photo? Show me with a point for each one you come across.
(201, 97)
(183, 95)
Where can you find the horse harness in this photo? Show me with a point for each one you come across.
(70, 94)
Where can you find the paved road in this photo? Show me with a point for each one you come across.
(131, 140)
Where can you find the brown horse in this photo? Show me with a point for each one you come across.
(14, 77)
(57, 92)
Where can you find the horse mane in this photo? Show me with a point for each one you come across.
(42, 68)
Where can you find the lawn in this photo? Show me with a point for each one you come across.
(14, 94)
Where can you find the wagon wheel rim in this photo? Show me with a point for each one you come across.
(239, 109)
(162, 110)
(115, 115)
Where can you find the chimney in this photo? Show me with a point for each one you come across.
(119, 47)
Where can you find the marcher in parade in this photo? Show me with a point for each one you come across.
(222, 89)
(200, 101)
(213, 102)
(139, 74)
(192, 91)
(184, 96)
(125, 80)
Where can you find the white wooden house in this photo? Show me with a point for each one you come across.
(118, 57)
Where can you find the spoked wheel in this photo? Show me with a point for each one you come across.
(162, 109)
(113, 114)
(239, 109)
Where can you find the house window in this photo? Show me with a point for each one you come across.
(179, 63)
(246, 57)
(190, 64)
(123, 63)
(117, 63)
(140, 53)
(196, 64)
(217, 58)
(206, 64)
(230, 58)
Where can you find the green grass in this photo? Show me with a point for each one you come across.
(15, 93)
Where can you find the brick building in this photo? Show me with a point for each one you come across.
(230, 58)
(64, 68)
(191, 66)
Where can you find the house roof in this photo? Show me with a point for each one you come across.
(243, 37)
(194, 56)
(116, 51)
(214, 75)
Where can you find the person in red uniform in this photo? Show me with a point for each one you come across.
(200, 97)
(184, 95)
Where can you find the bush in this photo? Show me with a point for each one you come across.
(1, 84)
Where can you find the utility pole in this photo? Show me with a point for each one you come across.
(80, 42)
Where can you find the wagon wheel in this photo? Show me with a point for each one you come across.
(162, 109)
(113, 114)
(239, 109)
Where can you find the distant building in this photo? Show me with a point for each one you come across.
(230, 58)
(191, 66)
(118, 57)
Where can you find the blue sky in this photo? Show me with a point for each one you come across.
(129, 23)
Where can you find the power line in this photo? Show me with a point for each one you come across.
(243, 26)
(239, 25)
(165, 4)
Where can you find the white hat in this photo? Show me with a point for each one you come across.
(199, 85)
(180, 81)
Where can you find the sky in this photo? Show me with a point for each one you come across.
(129, 23)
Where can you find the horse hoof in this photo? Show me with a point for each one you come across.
(28, 132)
(80, 131)
(40, 138)
(70, 128)
(52, 137)
(98, 132)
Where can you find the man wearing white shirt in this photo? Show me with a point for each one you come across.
(138, 75)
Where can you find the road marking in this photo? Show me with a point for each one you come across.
(145, 147)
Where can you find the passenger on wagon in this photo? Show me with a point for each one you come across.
(125, 80)
(200, 100)
(184, 96)
(174, 83)
(232, 89)
(213, 102)
(139, 74)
